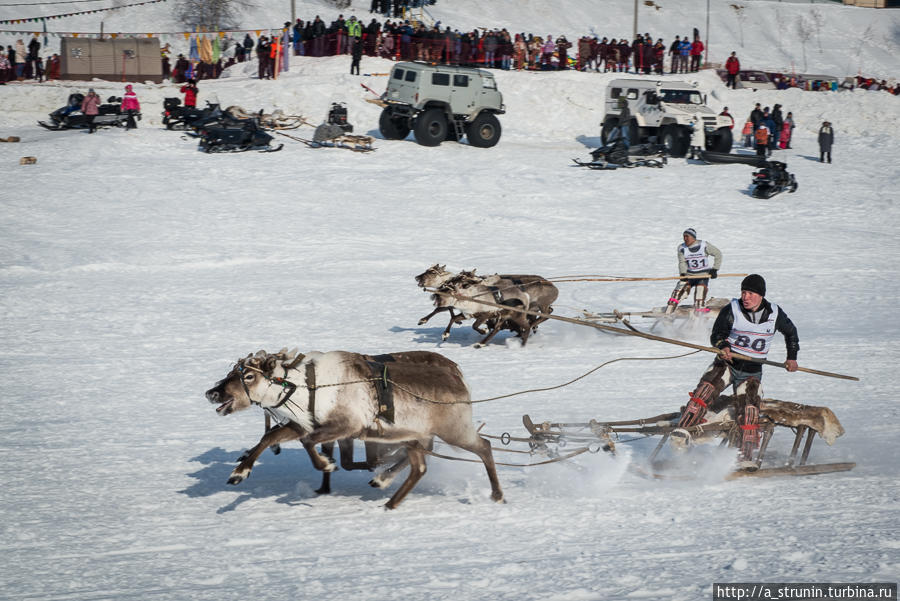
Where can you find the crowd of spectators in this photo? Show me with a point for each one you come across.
(399, 39)
(21, 62)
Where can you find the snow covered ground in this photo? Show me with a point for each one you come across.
(135, 270)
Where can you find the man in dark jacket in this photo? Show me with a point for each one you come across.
(778, 120)
(746, 326)
(826, 139)
(756, 115)
(263, 52)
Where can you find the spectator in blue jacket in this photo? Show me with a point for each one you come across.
(684, 52)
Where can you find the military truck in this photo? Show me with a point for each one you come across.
(665, 112)
(441, 102)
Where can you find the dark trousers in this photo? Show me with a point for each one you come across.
(130, 123)
(823, 154)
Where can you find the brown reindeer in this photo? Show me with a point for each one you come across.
(517, 292)
(376, 453)
(332, 396)
(435, 277)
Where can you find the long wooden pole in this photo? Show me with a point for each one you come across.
(639, 334)
(598, 278)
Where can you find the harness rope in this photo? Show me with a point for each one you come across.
(315, 386)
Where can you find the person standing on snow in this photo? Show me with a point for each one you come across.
(90, 106)
(675, 52)
(696, 54)
(190, 93)
(733, 66)
(762, 135)
(787, 131)
(826, 139)
(778, 120)
(725, 113)
(356, 54)
(747, 326)
(698, 137)
(695, 257)
(131, 107)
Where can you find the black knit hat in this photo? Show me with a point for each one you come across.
(754, 283)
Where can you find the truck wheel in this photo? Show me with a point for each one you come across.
(484, 131)
(391, 128)
(721, 141)
(608, 126)
(431, 127)
(675, 139)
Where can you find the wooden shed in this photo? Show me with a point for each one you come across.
(113, 59)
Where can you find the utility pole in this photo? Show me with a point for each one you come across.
(706, 46)
(294, 12)
(634, 27)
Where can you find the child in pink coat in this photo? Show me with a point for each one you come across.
(131, 107)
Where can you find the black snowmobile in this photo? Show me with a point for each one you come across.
(772, 179)
(180, 118)
(70, 116)
(244, 136)
(618, 154)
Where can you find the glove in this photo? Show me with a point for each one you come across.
(713, 273)
(139, 116)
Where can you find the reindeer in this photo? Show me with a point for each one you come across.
(376, 453)
(435, 277)
(332, 396)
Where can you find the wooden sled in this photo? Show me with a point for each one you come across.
(804, 420)
(685, 311)
(356, 143)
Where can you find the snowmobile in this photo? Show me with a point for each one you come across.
(619, 154)
(180, 117)
(71, 117)
(772, 179)
(247, 135)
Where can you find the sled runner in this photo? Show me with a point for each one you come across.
(547, 438)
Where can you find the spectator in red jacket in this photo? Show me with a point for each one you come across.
(696, 54)
(190, 93)
(733, 66)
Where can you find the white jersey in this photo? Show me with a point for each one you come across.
(748, 338)
(698, 260)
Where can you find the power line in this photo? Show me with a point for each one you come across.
(43, 3)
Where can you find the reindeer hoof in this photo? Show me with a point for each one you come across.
(498, 497)
(276, 448)
(445, 336)
(325, 490)
(477, 345)
(423, 321)
(380, 482)
(235, 479)
(332, 466)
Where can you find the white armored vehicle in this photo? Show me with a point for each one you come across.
(441, 102)
(665, 111)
